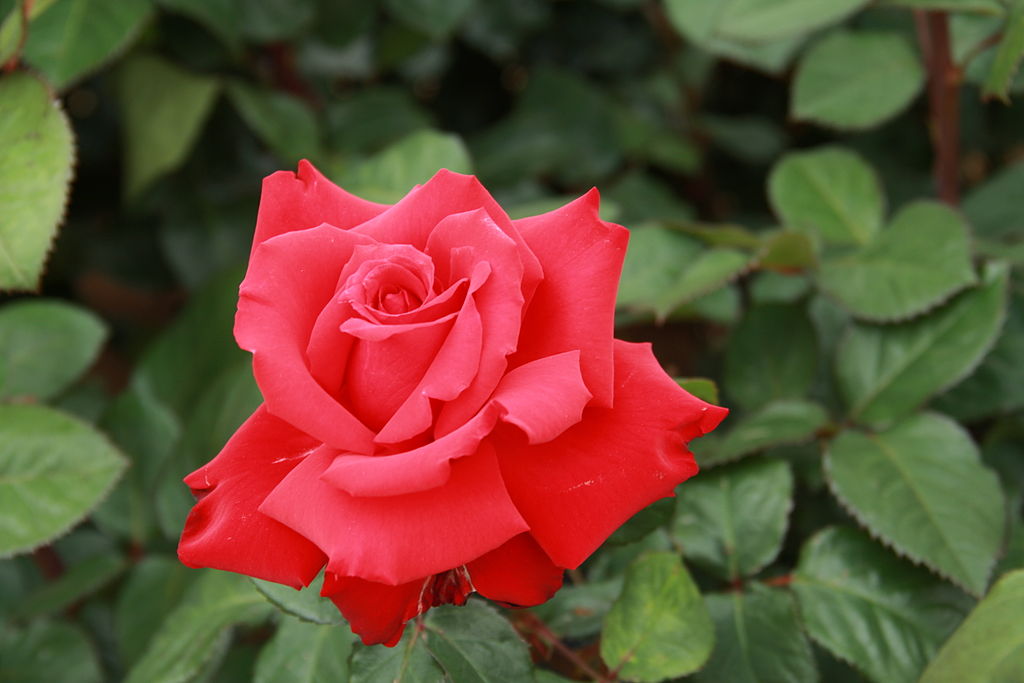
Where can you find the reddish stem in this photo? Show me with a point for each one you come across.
(536, 626)
(779, 581)
(48, 561)
(944, 79)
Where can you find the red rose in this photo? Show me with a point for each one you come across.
(446, 408)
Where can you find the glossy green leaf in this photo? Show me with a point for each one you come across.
(193, 634)
(300, 652)
(777, 423)
(989, 645)
(758, 637)
(53, 471)
(772, 354)
(35, 173)
(407, 662)
(856, 80)
(732, 520)
(659, 627)
(45, 344)
(759, 20)
(829, 192)
(997, 386)
(920, 487)
(79, 581)
(1008, 54)
(886, 371)
(153, 589)
(164, 109)
(868, 607)
(45, 652)
(474, 643)
(919, 261)
(436, 18)
(305, 604)
(388, 176)
(75, 37)
(284, 123)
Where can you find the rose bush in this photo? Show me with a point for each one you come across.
(446, 409)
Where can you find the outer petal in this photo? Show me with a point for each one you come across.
(376, 611)
(305, 200)
(224, 530)
(411, 220)
(543, 398)
(574, 306)
(518, 574)
(397, 539)
(576, 490)
(291, 278)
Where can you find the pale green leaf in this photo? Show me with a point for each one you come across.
(919, 261)
(756, 21)
(659, 627)
(300, 652)
(45, 344)
(75, 37)
(856, 80)
(164, 109)
(920, 487)
(989, 645)
(712, 269)
(828, 192)
(870, 608)
(305, 604)
(776, 424)
(11, 27)
(992, 7)
(886, 371)
(655, 259)
(53, 470)
(704, 389)
(732, 520)
(758, 638)
(35, 174)
(1008, 54)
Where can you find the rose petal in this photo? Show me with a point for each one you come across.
(375, 611)
(576, 490)
(396, 539)
(224, 529)
(543, 398)
(291, 279)
(574, 306)
(412, 220)
(518, 574)
(300, 201)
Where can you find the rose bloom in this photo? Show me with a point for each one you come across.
(446, 409)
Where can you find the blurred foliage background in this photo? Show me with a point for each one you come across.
(825, 200)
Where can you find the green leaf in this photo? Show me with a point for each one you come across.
(45, 652)
(11, 27)
(979, 6)
(75, 37)
(759, 20)
(388, 176)
(997, 386)
(704, 389)
(732, 520)
(373, 118)
(643, 522)
(35, 174)
(284, 122)
(872, 609)
(220, 17)
(993, 207)
(856, 80)
(407, 662)
(659, 627)
(886, 371)
(921, 488)
(301, 652)
(577, 610)
(711, 270)
(829, 192)
(436, 18)
(196, 631)
(776, 424)
(475, 644)
(306, 604)
(53, 471)
(44, 346)
(772, 354)
(154, 588)
(164, 109)
(655, 259)
(79, 581)
(919, 261)
(1008, 55)
(786, 251)
(758, 637)
(989, 645)
(271, 20)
